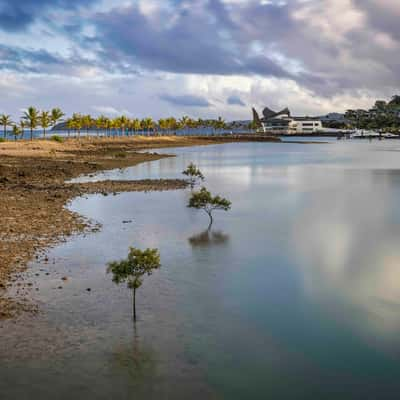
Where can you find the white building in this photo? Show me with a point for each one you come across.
(283, 123)
(304, 125)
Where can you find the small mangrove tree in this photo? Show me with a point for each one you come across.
(204, 200)
(134, 268)
(194, 174)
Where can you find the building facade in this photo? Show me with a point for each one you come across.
(282, 123)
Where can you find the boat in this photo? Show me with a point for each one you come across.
(364, 134)
(390, 136)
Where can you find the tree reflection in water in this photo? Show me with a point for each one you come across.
(209, 238)
(135, 358)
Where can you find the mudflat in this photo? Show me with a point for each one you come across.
(34, 192)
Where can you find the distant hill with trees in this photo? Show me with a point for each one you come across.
(382, 116)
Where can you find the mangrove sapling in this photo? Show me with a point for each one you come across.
(194, 174)
(133, 269)
(203, 200)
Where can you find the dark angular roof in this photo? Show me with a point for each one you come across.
(268, 113)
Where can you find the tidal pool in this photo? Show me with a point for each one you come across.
(295, 294)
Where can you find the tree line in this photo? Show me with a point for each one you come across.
(383, 116)
(33, 119)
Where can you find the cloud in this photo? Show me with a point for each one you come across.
(17, 15)
(180, 39)
(235, 101)
(314, 56)
(12, 58)
(186, 100)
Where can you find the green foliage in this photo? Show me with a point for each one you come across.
(2, 140)
(31, 118)
(5, 120)
(193, 173)
(45, 121)
(133, 269)
(56, 115)
(57, 138)
(204, 200)
(383, 116)
(17, 131)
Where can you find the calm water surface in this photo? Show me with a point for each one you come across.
(294, 295)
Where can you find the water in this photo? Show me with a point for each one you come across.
(295, 294)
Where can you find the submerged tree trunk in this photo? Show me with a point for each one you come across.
(134, 304)
(211, 220)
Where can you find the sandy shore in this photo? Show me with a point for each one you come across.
(33, 195)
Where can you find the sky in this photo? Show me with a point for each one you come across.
(202, 58)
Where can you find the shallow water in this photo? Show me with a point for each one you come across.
(295, 294)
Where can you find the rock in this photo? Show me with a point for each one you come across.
(64, 278)
(89, 289)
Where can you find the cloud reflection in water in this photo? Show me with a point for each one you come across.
(347, 243)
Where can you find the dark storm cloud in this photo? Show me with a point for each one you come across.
(186, 100)
(321, 48)
(16, 15)
(41, 61)
(199, 40)
(25, 60)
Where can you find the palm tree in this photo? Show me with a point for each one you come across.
(101, 123)
(44, 120)
(183, 122)
(31, 117)
(116, 125)
(22, 125)
(123, 123)
(5, 120)
(17, 131)
(56, 116)
(70, 125)
(172, 124)
(163, 125)
(86, 121)
(137, 125)
(77, 119)
(148, 124)
(108, 126)
(192, 123)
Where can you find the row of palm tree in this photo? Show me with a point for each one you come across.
(122, 126)
(33, 118)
